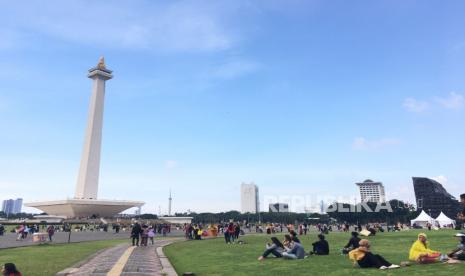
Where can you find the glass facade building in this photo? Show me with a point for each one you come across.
(433, 198)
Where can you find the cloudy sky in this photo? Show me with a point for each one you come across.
(304, 98)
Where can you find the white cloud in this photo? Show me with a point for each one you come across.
(167, 26)
(414, 105)
(361, 143)
(171, 164)
(453, 101)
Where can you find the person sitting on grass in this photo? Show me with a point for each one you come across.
(276, 248)
(421, 253)
(320, 247)
(294, 251)
(352, 244)
(294, 236)
(459, 252)
(9, 269)
(365, 259)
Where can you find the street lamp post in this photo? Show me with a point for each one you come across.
(69, 234)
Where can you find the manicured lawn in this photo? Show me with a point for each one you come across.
(214, 257)
(47, 259)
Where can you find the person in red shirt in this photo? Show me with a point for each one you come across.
(231, 229)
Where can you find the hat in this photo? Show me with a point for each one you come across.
(459, 235)
(422, 234)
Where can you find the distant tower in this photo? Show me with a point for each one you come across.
(169, 204)
(249, 198)
(87, 184)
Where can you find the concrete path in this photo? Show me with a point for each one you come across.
(9, 239)
(126, 260)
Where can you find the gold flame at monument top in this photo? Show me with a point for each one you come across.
(101, 63)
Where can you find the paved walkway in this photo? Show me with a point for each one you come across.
(9, 239)
(126, 260)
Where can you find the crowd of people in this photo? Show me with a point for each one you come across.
(141, 234)
(360, 252)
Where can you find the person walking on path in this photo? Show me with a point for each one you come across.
(51, 232)
(20, 233)
(151, 234)
(144, 235)
(135, 234)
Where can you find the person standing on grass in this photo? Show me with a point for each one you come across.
(237, 231)
(365, 259)
(461, 215)
(50, 232)
(231, 232)
(227, 237)
(9, 269)
(135, 234)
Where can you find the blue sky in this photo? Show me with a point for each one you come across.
(304, 98)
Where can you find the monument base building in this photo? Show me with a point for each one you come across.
(84, 208)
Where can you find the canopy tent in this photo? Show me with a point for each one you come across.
(444, 221)
(423, 219)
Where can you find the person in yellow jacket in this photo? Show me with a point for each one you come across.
(420, 251)
(365, 259)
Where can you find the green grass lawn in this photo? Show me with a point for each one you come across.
(214, 257)
(48, 259)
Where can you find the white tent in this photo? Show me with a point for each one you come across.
(444, 220)
(422, 219)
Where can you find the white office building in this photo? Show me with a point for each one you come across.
(371, 191)
(12, 206)
(249, 198)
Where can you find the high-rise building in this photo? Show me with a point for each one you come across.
(12, 206)
(249, 198)
(371, 191)
(18, 206)
(433, 198)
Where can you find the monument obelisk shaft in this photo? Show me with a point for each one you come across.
(87, 184)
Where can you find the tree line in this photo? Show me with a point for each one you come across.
(391, 212)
